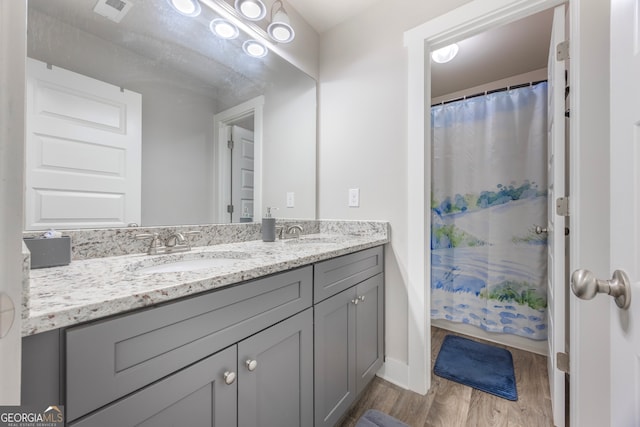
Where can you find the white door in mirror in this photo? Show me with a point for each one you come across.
(242, 173)
(83, 151)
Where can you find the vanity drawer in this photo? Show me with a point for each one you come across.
(335, 275)
(112, 358)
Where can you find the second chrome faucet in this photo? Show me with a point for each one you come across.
(289, 232)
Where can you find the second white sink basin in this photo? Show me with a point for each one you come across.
(188, 262)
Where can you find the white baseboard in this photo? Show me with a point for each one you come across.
(396, 372)
(522, 343)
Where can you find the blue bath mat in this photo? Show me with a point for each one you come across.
(481, 366)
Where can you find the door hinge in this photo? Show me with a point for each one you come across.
(230, 144)
(562, 362)
(562, 206)
(229, 208)
(562, 51)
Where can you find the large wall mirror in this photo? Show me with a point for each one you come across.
(129, 121)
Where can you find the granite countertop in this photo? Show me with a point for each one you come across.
(94, 288)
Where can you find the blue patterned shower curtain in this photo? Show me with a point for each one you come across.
(489, 185)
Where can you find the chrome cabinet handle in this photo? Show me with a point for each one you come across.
(355, 301)
(251, 365)
(585, 285)
(229, 377)
(361, 298)
(540, 230)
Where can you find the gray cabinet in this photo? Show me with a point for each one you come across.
(349, 347)
(275, 375)
(265, 380)
(335, 355)
(128, 352)
(252, 355)
(197, 396)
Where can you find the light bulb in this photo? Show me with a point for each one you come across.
(445, 54)
(224, 29)
(254, 48)
(253, 10)
(186, 7)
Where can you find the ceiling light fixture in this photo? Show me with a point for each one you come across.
(189, 8)
(253, 10)
(280, 28)
(445, 54)
(224, 29)
(254, 48)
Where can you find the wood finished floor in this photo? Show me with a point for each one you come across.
(449, 404)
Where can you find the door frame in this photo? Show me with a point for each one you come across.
(468, 20)
(589, 131)
(222, 158)
(13, 52)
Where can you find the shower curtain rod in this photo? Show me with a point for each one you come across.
(487, 92)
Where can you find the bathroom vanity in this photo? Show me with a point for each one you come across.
(288, 335)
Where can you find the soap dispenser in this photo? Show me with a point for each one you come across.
(268, 227)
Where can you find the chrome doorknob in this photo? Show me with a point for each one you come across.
(229, 377)
(540, 230)
(585, 285)
(252, 364)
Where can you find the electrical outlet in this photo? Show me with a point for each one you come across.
(291, 199)
(354, 197)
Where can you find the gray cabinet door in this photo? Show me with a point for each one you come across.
(275, 375)
(369, 330)
(335, 357)
(197, 396)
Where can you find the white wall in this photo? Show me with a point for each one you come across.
(289, 149)
(363, 137)
(177, 154)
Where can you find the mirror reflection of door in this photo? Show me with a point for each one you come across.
(242, 174)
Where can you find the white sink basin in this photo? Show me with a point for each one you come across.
(188, 262)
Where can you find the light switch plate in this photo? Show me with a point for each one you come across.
(354, 197)
(291, 199)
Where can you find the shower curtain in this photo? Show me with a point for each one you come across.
(488, 266)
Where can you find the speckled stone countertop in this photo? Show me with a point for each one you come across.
(94, 288)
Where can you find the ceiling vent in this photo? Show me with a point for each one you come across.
(114, 10)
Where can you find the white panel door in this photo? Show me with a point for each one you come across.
(625, 208)
(242, 173)
(83, 151)
(556, 275)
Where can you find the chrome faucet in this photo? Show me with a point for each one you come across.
(156, 246)
(294, 230)
(176, 242)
